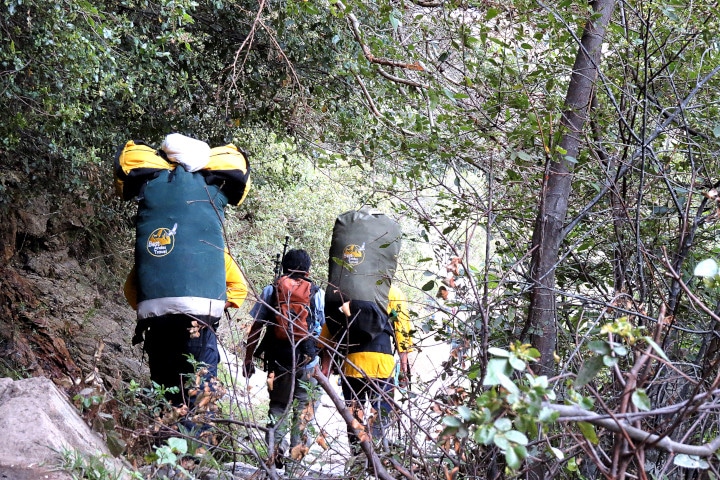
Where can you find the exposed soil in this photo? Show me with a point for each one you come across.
(62, 313)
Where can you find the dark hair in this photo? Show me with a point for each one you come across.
(296, 260)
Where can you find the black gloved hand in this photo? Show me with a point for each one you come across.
(248, 369)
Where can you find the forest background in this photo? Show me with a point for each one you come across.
(565, 151)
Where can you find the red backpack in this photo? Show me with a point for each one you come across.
(293, 296)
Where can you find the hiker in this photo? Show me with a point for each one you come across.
(368, 369)
(445, 311)
(442, 298)
(170, 337)
(183, 278)
(290, 358)
(453, 271)
(367, 316)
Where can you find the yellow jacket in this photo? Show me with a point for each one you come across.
(375, 364)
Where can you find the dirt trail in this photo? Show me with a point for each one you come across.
(427, 364)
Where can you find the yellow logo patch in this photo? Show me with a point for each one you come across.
(354, 255)
(161, 241)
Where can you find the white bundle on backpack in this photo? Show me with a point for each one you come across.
(190, 153)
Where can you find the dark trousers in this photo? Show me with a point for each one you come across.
(290, 400)
(168, 344)
(376, 391)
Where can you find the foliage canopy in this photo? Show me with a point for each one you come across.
(454, 116)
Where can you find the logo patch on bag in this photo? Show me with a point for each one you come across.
(354, 255)
(161, 241)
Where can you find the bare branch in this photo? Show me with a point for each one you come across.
(373, 460)
(577, 414)
(355, 27)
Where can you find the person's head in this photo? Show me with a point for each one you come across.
(296, 260)
(442, 292)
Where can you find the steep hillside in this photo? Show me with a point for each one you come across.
(61, 306)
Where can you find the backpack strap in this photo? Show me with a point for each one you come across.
(390, 330)
(314, 290)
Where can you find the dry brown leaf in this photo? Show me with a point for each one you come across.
(357, 425)
(298, 452)
(187, 463)
(363, 436)
(203, 402)
(322, 440)
(308, 412)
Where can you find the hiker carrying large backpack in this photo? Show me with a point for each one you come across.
(183, 276)
(291, 311)
(366, 315)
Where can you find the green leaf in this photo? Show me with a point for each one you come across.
(464, 412)
(620, 350)
(516, 363)
(547, 414)
(513, 458)
(498, 352)
(690, 461)
(178, 445)
(641, 400)
(524, 156)
(485, 435)
(394, 21)
(496, 369)
(428, 286)
(501, 442)
(599, 346)
(452, 421)
(491, 13)
(588, 431)
(588, 370)
(557, 453)
(657, 348)
(609, 360)
(503, 424)
(516, 437)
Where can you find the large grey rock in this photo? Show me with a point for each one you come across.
(38, 424)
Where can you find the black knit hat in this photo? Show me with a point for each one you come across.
(296, 260)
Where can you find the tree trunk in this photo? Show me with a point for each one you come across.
(557, 185)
